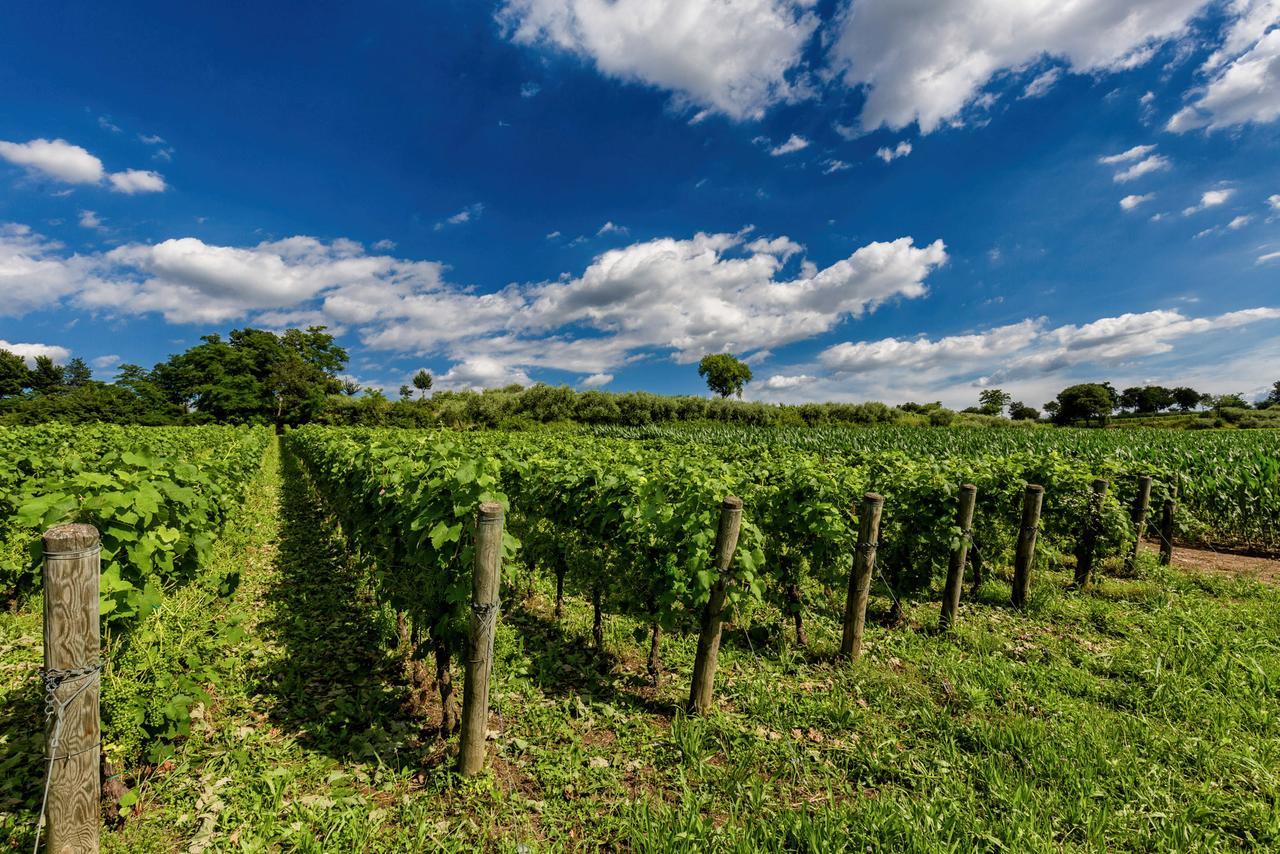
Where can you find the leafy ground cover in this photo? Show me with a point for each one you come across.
(1142, 715)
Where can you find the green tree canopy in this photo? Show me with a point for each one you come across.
(76, 373)
(1019, 411)
(422, 381)
(992, 401)
(1147, 400)
(13, 374)
(724, 373)
(1085, 402)
(255, 376)
(1187, 399)
(46, 376)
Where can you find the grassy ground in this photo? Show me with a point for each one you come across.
(1144, 715)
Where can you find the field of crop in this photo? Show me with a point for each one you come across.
(286, 628)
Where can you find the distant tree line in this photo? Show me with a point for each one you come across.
(260, 377)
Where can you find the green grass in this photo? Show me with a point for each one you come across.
(1143, 715)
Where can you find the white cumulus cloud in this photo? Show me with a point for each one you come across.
(1243, 74)
(888, 155)
(29, 352)
(71, 164)
(1130, 202)
(1210, 199)
(737, 57)
(794, 143)
(926, 62)
(55, 158)
(680, 298)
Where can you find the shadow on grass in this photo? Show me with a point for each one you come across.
(563, 664)
(338, 685)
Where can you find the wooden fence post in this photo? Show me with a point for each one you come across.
(1141, 504)
(485, 584)
(704, 666)
(864, 563)
(71, 673)
(1032, 501)
(1089, 537)
(955, 572)
(1166, 530)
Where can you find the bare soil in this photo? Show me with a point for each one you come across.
(1261, 569)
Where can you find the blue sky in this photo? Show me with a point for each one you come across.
(869, 200)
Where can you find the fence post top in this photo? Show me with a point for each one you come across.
(69, 538)
(1034, 487)
(489, 511)
(731, 502)
(874, 498)
(1100, 484)
(968, 487)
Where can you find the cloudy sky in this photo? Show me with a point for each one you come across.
(884, 199)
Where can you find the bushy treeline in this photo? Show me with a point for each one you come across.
(521, 407)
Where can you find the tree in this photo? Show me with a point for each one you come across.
(76, 373)
(1085, 402)
(13, 374)
(46, 376)
(350, 388)
(1187, 399)
(1273, 396)
(406, 393)
(992, 401)
(725, 374)
(1019, 411)
(422, 382)
(255, 376)
(1230, 401)
(1147, 400)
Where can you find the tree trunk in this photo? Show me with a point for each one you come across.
(597, 620)
(655, 664)
(796, 605)
(559, 590)
(449, 718)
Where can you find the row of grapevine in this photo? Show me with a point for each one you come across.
(1228, 482)
(159, 496)
(631, 524)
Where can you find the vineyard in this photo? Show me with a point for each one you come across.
(613, 548)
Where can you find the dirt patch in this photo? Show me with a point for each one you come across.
(1224, 563)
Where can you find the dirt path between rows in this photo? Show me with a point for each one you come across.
(1224, 563)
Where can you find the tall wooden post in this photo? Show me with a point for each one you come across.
(1032, 501)
(1089, 536)
(1166, 531)
(485, 583)
(704, 666)
(1141, 504)
(864, 563)
(955, 572)
(71, 670)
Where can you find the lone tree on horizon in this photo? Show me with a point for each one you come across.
(422, 382)
(992, 401)
(724, 373)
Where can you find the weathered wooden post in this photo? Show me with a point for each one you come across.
(485, 583)
(864, 563)
(72, 667)
(955, 572)
(1089, 537)
(1032, 501)
(704, 666)
(1141, 504)
(1166, 530)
